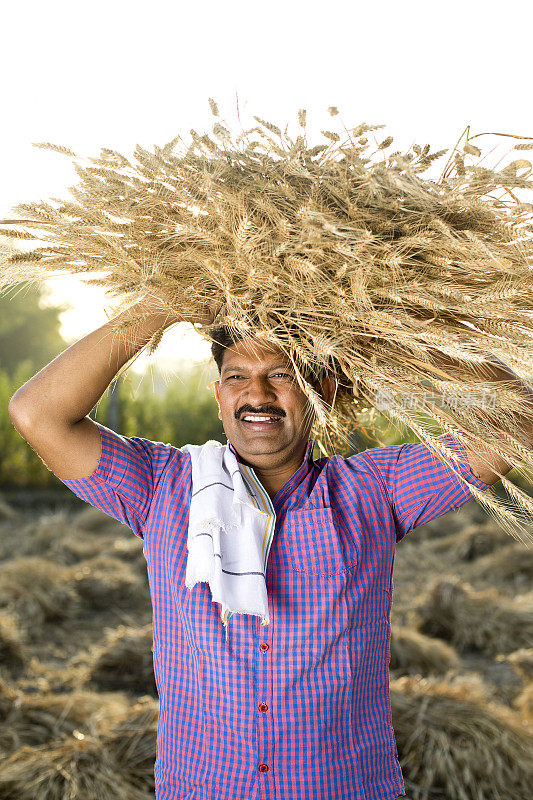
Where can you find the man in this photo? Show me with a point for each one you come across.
(298, 708)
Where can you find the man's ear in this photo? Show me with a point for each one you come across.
(216, 384)
(327, 388)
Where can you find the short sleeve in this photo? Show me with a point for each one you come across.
(127, 476)
(419, 485)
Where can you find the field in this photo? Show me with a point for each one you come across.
(78, 701)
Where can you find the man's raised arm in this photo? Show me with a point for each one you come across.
(50, 410)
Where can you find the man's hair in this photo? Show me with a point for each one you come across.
(224, 337)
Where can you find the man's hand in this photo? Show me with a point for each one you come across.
(158, 303)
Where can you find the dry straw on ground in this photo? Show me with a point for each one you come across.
(471, 543)
(483, 621)
(339, 253)
(76, 766)
(104, 582)
(36, 719)
(37, 591)
(451, 744)
(412, 653)
(124, 661)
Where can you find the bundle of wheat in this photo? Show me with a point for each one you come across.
(522, 661)
(132, 742)
(471, 543)
(510, 568)
(11, 649)
(471, 620)
(347, 260)
(106, 583)
(93, 520)
(36, 719)
(6, 511)
(50, 535)
(124, 661)
(413, 653)
(452, 743)
(37, 591)
(76, 766)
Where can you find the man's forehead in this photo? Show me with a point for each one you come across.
(253, 352)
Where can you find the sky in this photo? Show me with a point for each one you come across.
(114, 74)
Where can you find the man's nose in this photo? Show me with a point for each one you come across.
(258, 391)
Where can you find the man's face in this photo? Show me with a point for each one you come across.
(262, 382)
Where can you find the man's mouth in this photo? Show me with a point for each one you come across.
(259, 422)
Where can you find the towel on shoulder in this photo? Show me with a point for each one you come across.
(231, 527)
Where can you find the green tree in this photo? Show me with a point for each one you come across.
(29, 329)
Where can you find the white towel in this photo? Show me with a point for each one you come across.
(231, 527)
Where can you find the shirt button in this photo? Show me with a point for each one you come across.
(263, 767)
(263, 707)
(264, 647)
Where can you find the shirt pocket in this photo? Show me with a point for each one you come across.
(314, 544)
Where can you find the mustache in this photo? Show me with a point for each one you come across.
(265, 411)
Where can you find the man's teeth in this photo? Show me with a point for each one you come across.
(260, 419)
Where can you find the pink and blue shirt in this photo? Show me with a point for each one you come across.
(298, 709)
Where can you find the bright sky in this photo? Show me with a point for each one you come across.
(114, 74)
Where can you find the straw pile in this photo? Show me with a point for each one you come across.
(93, 520)
(469, 620)
(412, 653)
(522, 661)
(124, 661)
(132, 742)
(49, 535)
(30, 719)
(511, 564)
(105, 582)
(37, 591)
(76, 766)
(341, 254)
(451, 743)
(11, 650)
(6, 512)
(472, 542)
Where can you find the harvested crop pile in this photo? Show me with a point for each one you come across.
(34, 537)
(51, 536)
(452, 745)
(340, 253)
(524, 704)
(522, 661)
(76, 767)
(35, 719)
(413, 653)
(132, 742)
(106, 583)
(469, 620)
(37, 590)
(510, 564)
(6, 512)
(472, 542)
(11, 649)
(124, 661)
(95, 521)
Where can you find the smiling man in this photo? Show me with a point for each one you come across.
(265, 415)
(297, 709)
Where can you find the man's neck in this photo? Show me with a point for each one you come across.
(274, 478)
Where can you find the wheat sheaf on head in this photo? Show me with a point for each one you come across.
(340, 253)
